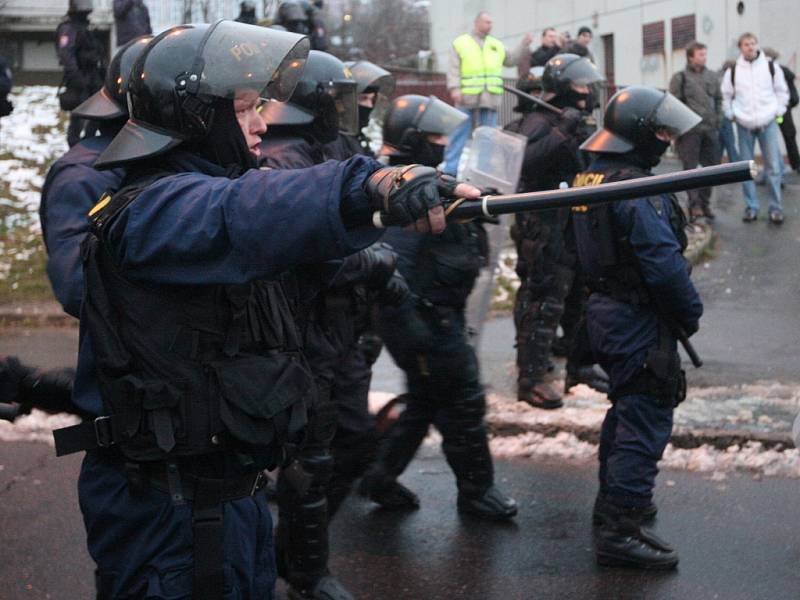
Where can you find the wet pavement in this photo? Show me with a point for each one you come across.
(738, 538)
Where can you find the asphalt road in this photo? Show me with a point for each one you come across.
(738, 539)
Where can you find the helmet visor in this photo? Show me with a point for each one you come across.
(372, 79)
(236, 55)
(345, 99)
(583, 72)
(439, 118)
(673, 116)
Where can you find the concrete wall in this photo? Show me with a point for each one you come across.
(717, 25)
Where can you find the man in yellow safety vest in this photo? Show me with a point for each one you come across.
(475, 81)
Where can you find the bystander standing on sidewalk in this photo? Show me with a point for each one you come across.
(727, 139)
(754, 95)
(788, 129)
(698, 88)
(475, 81)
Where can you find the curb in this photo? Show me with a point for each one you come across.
(682, 437)
(47, 314)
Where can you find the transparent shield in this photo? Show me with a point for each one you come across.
(345, 98)
(495, 159)
(439, 117)
(237, 55)
(674, 116)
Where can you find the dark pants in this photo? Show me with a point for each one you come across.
(79, 129)
(699, 146)
(143, 543)
(546, 268)
(789, 132)
(430, 345)
(633, 437)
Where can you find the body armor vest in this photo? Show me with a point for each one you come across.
(620, 277)
(193, 370)
(448, 264)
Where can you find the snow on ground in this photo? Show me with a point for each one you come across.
(585, 410)
(35, 427)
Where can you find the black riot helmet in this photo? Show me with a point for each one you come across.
(177, 79)
(110, 102)
(411, 118)
(325, 100)
(292, 15)
(634, 116)
(530, 83)
(372, 79)
(561, 72)
(80, 7)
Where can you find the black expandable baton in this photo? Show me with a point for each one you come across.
(679, 181)
(680, 335)
(534, 99)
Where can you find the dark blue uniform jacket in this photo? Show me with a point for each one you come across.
(198, 227)
(620, 332)
(72, 187)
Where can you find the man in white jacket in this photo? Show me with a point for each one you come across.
(754, 95)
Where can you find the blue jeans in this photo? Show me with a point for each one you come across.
(768, 139)
(458, 139)
(727, 141)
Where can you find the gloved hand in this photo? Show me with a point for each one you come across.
(378, 263)
(14, 379)
(405, 197)
(396, 290)
(570, 120)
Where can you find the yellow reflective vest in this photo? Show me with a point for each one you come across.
(481, 68)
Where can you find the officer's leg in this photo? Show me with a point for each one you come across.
(302, 533)
(407, 337)
(456, 143)
(455, 381)
(641, 433)
(353, 446)
(539, 306)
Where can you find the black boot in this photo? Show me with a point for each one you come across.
(492, 505)
(601, 510)
(467, 452)
(622, 541)
(590, 375)
(387, 491)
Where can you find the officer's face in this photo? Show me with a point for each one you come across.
(246, 105)
(581, 89)
(665, 136)
(367, 100)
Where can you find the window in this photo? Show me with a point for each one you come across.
(653, 38)
(683, 31)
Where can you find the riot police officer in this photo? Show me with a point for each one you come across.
(545, 264)
(247, 12)
(72, 185)
(641, 295)
(82, 55)
(300, 134)
(374, 87)
(301, 16)
(426, 335)
(194, 367)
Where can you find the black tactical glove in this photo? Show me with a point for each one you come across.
(401, 196)
(378, 263)
(396, 290)
(14, 379)
(571, 119)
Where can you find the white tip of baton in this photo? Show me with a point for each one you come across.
(377, 221)
(753, 169)
(485, 206)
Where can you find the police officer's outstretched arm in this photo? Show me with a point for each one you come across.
(662, 264)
